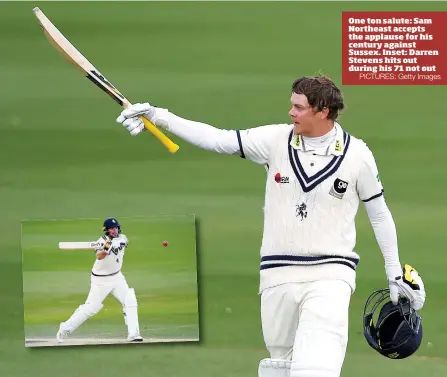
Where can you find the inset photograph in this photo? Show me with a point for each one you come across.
(115, 280)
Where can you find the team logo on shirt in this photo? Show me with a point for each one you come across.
(281, 179)
(117, 249)
(339, 188)
(301, 211)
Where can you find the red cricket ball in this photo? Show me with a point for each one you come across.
(165, 243)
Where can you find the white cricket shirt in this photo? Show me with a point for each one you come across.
(311, 198)
(311, 201)
(112, 263)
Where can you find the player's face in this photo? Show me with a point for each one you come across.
(303, 115)
(113, 232)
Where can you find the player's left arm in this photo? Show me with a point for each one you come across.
(123, 240)
(371, 192)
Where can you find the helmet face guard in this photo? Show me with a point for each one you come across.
(395, 331)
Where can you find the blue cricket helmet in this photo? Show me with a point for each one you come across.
(111, 222)
(396, 333)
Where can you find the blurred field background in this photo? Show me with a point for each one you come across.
(231, 65)
(56, 282)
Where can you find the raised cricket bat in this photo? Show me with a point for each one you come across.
(80, 245)
(74, 57)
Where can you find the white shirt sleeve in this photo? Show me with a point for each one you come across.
(252, 144)
(369, 185)
(386, 235)
(199, 134)
(255, 143)
(124, 239)
(116, 242)
(370, 191)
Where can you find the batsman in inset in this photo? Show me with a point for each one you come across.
(317, 174)
(107, 278)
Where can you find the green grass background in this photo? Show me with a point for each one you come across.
(56, 282)
(229, 64)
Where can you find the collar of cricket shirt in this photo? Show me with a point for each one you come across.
(335, 146)
(337, 149)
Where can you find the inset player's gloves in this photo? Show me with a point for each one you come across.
(107, 245)
(105, 248)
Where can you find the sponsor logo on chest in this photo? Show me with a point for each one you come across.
(281, 178)
(338, 188)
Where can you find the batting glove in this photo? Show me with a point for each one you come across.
(409, 285)
(130, 117)
(105, 247)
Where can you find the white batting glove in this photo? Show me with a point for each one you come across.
(129, 117)
(409, 285)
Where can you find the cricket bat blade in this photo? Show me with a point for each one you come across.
(80, 245)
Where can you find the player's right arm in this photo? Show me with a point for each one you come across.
(252, 144)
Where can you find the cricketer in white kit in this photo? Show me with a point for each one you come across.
(107, 278)
(317, 174)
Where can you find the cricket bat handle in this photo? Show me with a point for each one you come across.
(168, 143)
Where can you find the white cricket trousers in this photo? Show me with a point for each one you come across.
(102, 286)
(307, 323)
